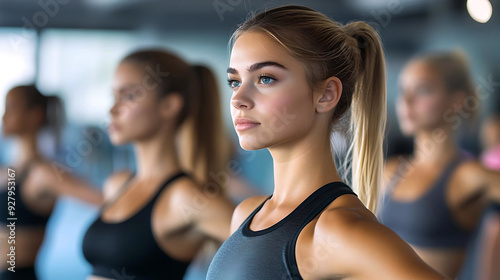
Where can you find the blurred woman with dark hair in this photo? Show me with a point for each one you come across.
(31, 185)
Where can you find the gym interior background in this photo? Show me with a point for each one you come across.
(71, 47)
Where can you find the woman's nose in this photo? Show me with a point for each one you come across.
(241, 99)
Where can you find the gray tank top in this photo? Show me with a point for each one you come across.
(269, 254)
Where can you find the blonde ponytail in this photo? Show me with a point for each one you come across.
(368, 116)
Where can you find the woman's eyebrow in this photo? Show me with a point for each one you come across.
(257, 66)
(124, 87)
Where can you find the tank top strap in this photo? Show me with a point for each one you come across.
(257, 209)
(318, 201)
(322, 200)
(119, 193)
(165, 184)
(442, 182)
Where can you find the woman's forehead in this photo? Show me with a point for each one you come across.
(252, 48)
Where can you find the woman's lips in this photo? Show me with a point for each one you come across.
(245, 124)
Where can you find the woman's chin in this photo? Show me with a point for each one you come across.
(250, 145)
(117, 141)
(407, 130)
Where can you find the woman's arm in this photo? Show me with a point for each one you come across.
(49, 181)
(349, 241)
(479, 180)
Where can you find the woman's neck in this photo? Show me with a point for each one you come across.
(156, 158)
(301, 167)
(431, 147)
(28, 150)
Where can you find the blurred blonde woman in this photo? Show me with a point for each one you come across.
(434, 198)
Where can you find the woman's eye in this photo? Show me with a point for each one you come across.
(424, 90)
(233, 83)
(266, 80)
(128, 97)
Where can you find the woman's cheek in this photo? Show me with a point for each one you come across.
(277, 110)
(430, 110)
(133, 112)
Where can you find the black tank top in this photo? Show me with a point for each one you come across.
(269, 254)
(21, 215)
(128, 249)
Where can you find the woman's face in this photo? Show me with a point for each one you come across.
(13, 121)
(135, 115)
(423, 99)
(271, 102)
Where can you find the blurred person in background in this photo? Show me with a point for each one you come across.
(155, 220)
(31, 185)
(434, 198)
(490, 140)
(483, 253)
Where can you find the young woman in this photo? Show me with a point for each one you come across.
(294, 74)
(31, 186)
(434, 199)
(155, 220)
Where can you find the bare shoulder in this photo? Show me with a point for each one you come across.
(470, 170)
(358, 245)
(44, 176)
(188, 192)
(185, 190)
(344, 216)
(244, 209)
(472, 175)
(114, 182)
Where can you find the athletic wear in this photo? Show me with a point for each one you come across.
(25, 217)
(426, 221)
(129, 249)
(269, 254)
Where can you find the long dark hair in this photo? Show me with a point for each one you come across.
(51, 105)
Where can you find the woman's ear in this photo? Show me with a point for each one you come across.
(171, 106)
(329, 95)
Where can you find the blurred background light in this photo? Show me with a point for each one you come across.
(480, 10)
